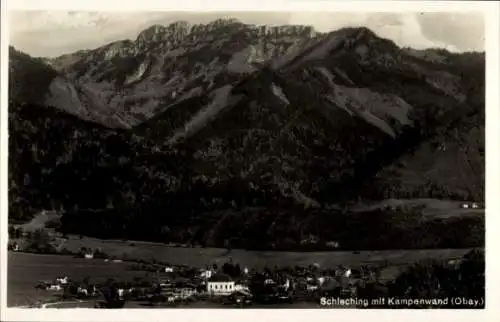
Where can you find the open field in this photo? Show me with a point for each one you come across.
(39, 220)
(25, 270)
(430, 207)
(255, 259)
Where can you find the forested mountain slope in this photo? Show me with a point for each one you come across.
(258, 158)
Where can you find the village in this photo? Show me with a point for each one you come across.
(229, 285)
(169, 285)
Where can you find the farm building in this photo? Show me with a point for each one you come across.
(48, 286)
(473, 205)
(62, 280)
(269, 281)
(332, 244)
(241, 286)
(14, 247)
(184, 290)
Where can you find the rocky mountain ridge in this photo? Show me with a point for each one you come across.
(126, 82)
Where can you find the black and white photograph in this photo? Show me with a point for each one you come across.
(245, 159)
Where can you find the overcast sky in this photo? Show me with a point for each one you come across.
(52, 33)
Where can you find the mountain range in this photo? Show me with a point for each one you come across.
(253, 136)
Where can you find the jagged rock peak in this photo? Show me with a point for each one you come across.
(363, 34)
(180, 29)
(159, 32)
(151, 32)
(286, 30)
(357, 31)
(121, 47)
(222, 22)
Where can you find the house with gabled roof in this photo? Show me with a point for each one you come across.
(220, 284)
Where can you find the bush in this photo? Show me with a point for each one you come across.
(436, 280)
(65, 251)
(12, 232)
(100, 254)
(53, 224)
(41, 242)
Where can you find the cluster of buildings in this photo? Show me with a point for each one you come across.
(179, 283)
(205, 282)
(473, 205)
(276, 285)
(57, 284)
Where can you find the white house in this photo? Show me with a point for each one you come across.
(15, 247)
(62, 280)
(82, 291)
(220, 285)
(169, 269)
(286, 285)
(269, 281)
(206, 273)
(241, 287)
(311, 287)
(54, 287)
(184, 291)
(120, 292)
